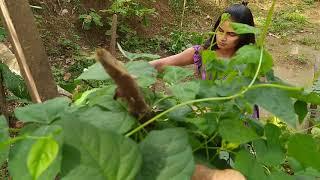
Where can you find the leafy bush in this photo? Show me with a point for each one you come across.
(96, 137)
(90, 20)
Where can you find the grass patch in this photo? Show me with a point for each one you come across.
(309, 41)
(285, 23)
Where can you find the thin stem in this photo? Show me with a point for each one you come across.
(258, 69)
(207, 150)
(201, 145)
(268, 22)
(279, 86)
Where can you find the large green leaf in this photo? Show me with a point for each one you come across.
(166, 155)
(235, 131)
(174, 74)
(95, 153)
(118, 121)
(18, 157)
(185, 91)
(134, 56)
(244, 28)
(250, 54)
(14, 82)
(180, 114)
(94, 72)
(270, 155)
(304, 149)
(311, 97)
(275, 101)
(206, 125)
(42, 153)
(144, 73)
(43, 113)
(270, 152)
(248, 166)
(4, 136)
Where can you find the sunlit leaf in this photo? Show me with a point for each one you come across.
(42, 153)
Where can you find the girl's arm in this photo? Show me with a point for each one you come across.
(181, 59)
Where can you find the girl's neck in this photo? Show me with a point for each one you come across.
(225, 53)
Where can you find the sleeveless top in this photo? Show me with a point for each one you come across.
(200, 72)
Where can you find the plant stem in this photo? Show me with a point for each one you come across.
(266, 26)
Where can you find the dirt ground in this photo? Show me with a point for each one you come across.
(286, 50)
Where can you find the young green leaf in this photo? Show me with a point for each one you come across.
(235, 131)
(42, 154)
(43, 113)
(25, 163)
(166, 155)
(301, 108)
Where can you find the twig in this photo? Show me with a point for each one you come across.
(125, 82)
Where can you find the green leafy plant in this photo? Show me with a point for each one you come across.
(14, 83)
(91, 19)
(95, 137)
(3, 34)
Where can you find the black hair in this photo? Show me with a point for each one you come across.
(240, 13)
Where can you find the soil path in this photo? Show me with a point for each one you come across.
(294, 62)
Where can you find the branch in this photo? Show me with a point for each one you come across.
(125, 82)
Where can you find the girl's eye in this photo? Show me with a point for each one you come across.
(220, 29)
(232, 34)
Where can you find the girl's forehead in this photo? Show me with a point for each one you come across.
(226, 26)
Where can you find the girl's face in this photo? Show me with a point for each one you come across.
(227, 39)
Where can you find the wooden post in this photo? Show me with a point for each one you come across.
(3, 103)
(28, 48)
(113, 40)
